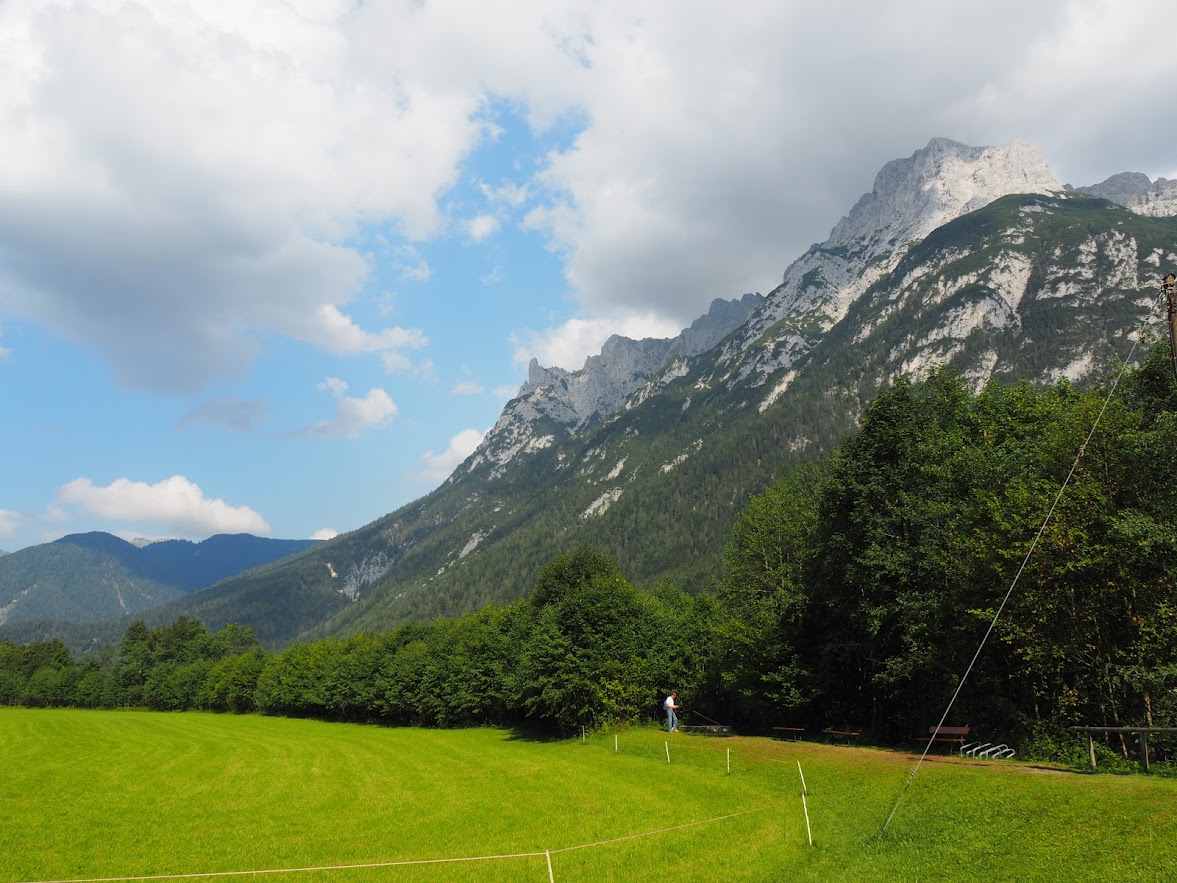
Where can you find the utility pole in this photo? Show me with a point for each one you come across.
(1169, 286)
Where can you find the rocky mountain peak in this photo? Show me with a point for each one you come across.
(574, 399)
(914, 196)
(721, 319)
(911, 198)
(1138, 193)
(624, 366)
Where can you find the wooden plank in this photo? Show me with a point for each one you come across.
(948, 731)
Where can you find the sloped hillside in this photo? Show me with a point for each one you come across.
(76, 582)
(83, 578)
(975, 258)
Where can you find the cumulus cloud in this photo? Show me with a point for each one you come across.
(325, 533)
(439, 466)
(178, 177)
(334, 385)
(722, 140)
(173, 507)
(182, 180)
(395, 363)
(354, 415)
(481, 227)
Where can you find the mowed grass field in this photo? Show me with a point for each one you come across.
(93, 794)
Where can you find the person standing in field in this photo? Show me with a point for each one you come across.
(671, 718)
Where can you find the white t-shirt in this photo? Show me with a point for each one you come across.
(669, 703)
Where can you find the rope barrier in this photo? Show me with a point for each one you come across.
(1018, 575)
(733, 815)
(548, 853)
(190, 876)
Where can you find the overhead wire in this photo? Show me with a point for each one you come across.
(1025, 560)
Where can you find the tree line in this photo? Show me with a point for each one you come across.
(855, 593)
(584, 649)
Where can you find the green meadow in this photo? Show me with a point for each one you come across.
(120, 794)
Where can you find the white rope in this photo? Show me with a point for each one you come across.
(662, 830)
(427, 861)
(1018, 575)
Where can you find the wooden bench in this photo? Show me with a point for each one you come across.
(845, 734)
(955, 735)
(779, 732)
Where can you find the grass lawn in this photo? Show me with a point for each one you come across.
(93, 794)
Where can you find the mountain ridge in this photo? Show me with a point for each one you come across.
(649, 451)
(91, 576)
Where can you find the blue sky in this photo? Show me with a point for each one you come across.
(276, 266)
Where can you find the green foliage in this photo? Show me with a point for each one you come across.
(854, 594)
(764, 591)
(928, 514)
(74, 582)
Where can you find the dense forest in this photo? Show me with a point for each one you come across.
(855, 593)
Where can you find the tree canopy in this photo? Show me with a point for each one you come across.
(855, 593)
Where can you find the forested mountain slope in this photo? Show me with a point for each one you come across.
(76, 582)
(973, 258)
(83, 578)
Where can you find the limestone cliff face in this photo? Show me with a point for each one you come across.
(1137, 193)
(555, 402)
(911, 198)
(965, 257)
(755, 341)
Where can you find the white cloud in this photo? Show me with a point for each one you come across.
(182, 180)
(178, 177)
(397, 363)
(439, 466)
(9, 521)
(509, 193)
(481, 227)
(721, 140)
(354, 415)
(339, 334)
(568, 345)
(418, 272)
(334, 385)
(173, 507)
(325, 533)
(468, 388)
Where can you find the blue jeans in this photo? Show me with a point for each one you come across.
(671, 720)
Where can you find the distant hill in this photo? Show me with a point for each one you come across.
(193, 566)
(85, 578)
